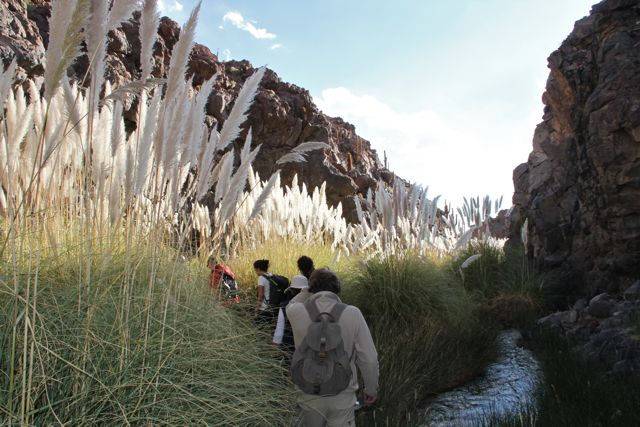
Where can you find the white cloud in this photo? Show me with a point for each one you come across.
(275, 46)
(454, 156)
(237, 20)
(170, 6)
(226, 55)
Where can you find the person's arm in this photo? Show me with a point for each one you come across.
(366, 359)
(260, 294)
(278, 334)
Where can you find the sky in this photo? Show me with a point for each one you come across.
(449, 90)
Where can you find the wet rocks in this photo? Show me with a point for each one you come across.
(606, 330)
(633, 292)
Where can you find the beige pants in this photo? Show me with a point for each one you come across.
(330, 411)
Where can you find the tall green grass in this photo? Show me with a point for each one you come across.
(427, 331)
(146, 345)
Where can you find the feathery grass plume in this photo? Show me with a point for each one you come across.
(292, 157)
(231, 128)
(311, 146)
(236, 187)
(274, 182)
(144, 155)
(196, 128)
(72, 104)
(117, 130)
(65, 36)
(149, 21)
(201, 220)
(95, 39)
(465, 238)
(224, 177)
(205, 165)
(359, 210)
(473, 258)
(246, 148)
(121, 10)
(524, 235)
(180, 55)
(6, 81)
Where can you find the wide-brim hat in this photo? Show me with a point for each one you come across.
(299, 282)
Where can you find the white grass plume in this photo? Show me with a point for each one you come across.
(292, 157)
(65, 35)
(180, 54)
(224, 177)
(206, 165)
(6, 81)
(236, 187)
(149, 21)
(120, 10)
(264, 196)
(305, 147)
(231, 128)
(470, 260)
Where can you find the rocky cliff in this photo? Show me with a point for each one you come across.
(580, 188)
(283, 115)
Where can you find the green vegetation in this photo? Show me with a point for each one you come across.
(433, 329)
(142, 343)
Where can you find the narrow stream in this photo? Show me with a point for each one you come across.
(508, 387)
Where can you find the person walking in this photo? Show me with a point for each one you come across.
(332, 343)
(222, 282)
(305, 265)
(283, 335)
(271, 289)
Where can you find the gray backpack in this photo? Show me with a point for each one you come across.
(320, 363)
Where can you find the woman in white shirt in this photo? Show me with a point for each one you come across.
(265, 313)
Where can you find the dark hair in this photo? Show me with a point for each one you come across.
(324, 280)
(261, 264)
(305, 265)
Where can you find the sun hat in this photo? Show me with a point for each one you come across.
(299, 282)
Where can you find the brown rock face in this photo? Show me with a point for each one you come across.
(282, 116)
(20, 39)
(580, 188)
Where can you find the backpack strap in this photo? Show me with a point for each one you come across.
(314, 313)
(312, 310)
(337, 311)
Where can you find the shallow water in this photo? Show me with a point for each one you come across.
(508, 387)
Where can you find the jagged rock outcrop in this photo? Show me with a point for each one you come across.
(603, 329)
(283, 115)
(580, 188)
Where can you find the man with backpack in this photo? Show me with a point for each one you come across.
(222, 281)
(332, 342)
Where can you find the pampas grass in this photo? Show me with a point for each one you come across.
(231, 128)
(149, 21)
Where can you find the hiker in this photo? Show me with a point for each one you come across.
(332, 342)
(271, 289)
(283, 335)
(222, 281)
(305, 265)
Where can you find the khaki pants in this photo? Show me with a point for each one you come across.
(329, 411)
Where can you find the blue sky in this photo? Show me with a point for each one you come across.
(449, 89)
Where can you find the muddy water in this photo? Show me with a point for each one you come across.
(508, 387)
